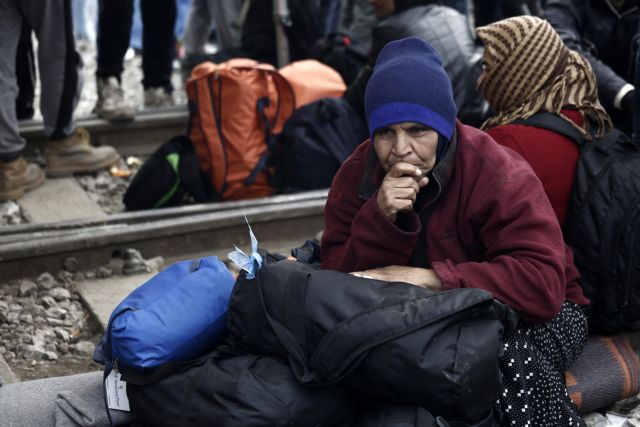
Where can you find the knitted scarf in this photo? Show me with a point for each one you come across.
(528, 69)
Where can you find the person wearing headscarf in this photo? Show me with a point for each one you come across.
(438, 204)
(528, 69)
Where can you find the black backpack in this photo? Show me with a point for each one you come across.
(224, 389)
(603, 224)
(390, 341)
(171, 173)
(315, 141)
(337, 51)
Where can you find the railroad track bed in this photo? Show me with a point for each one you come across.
(62, 280)
(66, 261)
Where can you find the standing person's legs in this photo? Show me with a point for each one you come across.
(196, 32)
(158, 43)
(114, 31)
(79, 26)
(228, 27)
(11, 144)
(16, 175)
(58, 62)
(69, 149)
(25, 74)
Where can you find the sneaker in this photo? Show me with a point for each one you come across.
(18, 176)
(157, 97)
(112, 104)
(75, 154)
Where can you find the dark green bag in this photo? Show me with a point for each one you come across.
(167, 177)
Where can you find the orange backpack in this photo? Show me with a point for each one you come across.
(237, 108)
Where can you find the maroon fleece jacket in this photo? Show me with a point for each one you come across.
(492, 228)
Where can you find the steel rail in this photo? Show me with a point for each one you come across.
(18, 233)
(141, 136)
(284, 224)
(279, 221)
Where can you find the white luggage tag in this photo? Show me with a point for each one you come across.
(246, 262)
(116, 392)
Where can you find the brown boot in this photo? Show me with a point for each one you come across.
(18, 176)
(75, 154)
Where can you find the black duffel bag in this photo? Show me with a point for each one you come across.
(238, 391)
(390, 340)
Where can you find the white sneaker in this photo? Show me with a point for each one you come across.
(157, 97)
(112, 105)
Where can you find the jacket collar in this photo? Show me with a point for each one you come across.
(439, 176)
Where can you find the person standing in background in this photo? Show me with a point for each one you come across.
(115, 18)
(69, 148)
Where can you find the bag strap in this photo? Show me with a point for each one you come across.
(216, 105)
(555, 123)
(283, 88)
(297, 358)
(294, 309)
(261, 106)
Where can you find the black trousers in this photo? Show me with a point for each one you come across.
(25, 74)
(158, 41)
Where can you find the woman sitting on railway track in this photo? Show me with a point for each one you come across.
(438, 204)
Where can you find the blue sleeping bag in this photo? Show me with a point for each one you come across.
(175, 316)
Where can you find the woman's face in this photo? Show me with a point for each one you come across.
(486, 63)
(382, 8)
(407, 142)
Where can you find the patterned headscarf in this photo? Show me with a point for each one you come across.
(528, 69)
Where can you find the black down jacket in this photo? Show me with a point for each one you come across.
(448, 32)
(392, 341)
(602, 35)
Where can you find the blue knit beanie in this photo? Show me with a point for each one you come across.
(408, 84)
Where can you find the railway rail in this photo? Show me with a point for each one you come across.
(279, 222)
(141, 136)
